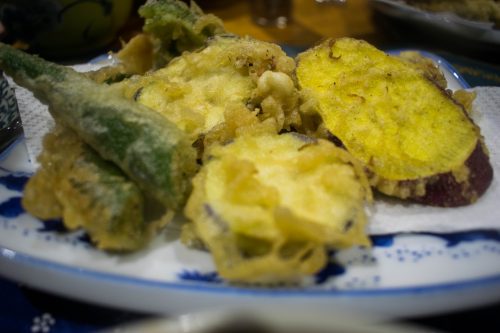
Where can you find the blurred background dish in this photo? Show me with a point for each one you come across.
(63, 28)
(381, 24)
(444, 28)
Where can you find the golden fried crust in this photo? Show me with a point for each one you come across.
(214, 93)
(268, 206)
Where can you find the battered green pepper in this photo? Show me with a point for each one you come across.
(151, 150)
(176, 28)
(75, 184)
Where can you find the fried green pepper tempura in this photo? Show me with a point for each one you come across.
(75, 184)
(176, 27)
(151, 150)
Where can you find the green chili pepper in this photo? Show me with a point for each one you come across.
(150, 149)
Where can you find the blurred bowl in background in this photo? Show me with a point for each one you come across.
(407, 26)
(63, 28)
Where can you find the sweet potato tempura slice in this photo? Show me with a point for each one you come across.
(415, 140)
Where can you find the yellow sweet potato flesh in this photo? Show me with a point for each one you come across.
(400, 124)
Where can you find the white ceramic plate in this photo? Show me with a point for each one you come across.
(405, 274)
(445, 22)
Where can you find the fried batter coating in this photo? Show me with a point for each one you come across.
(268, 206)
(203, 91)
(175, 28)
(75, 184)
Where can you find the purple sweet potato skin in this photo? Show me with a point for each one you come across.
(443, 189)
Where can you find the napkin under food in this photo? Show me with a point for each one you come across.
(35, 116)
(385, 216)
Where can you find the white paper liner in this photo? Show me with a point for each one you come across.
(35, 116)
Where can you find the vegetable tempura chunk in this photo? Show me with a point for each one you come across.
(174, 28)
(75, 184)
(202, 91)
(268, 206)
